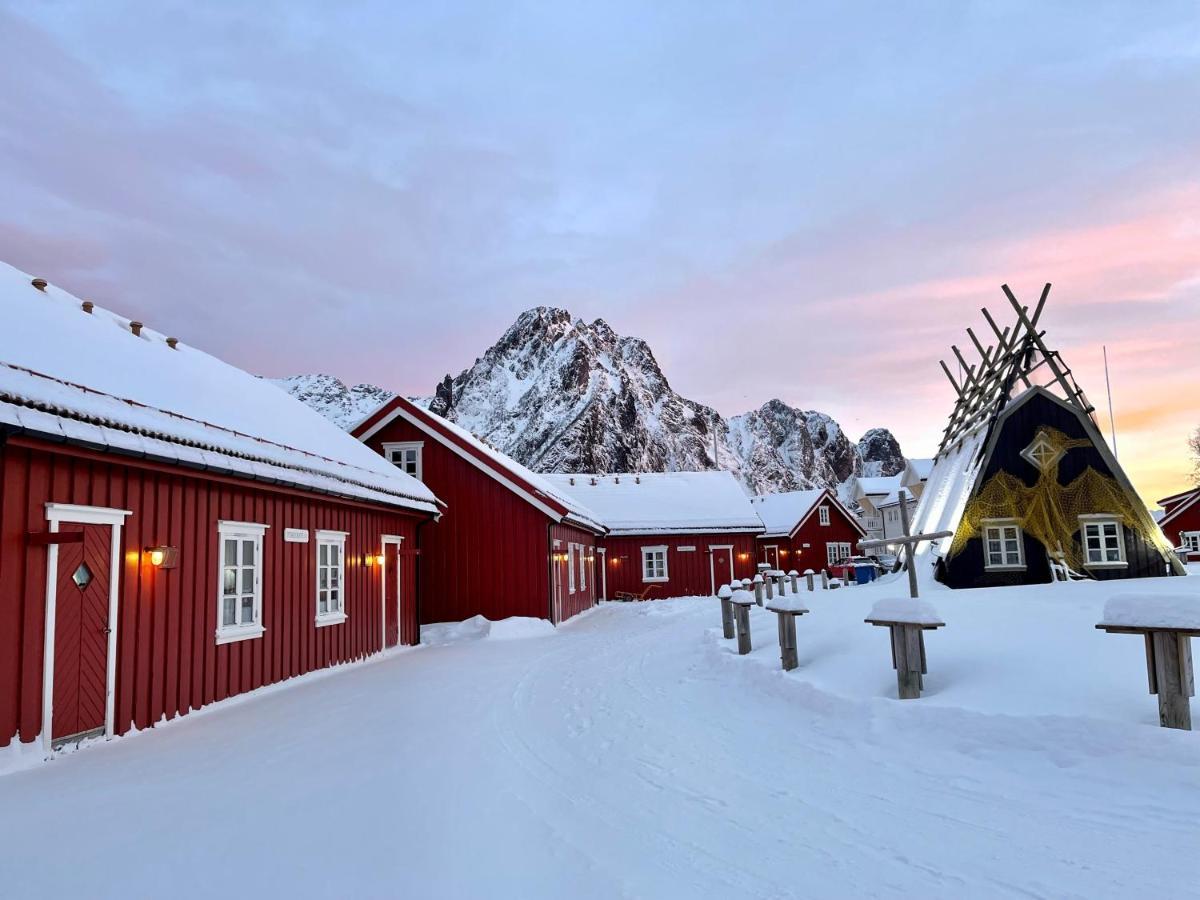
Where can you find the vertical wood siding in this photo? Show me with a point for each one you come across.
(816, 535)
(688, 570)
(575, 602)
(168, 661)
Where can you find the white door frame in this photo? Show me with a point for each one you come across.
(775, 547)
(712, 557)
(57, 513)
(384, 541)
(603, 573)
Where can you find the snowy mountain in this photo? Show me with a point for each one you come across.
(561, 395)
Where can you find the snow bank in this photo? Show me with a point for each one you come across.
(479, 628)
(905, 609)
(1153, 610)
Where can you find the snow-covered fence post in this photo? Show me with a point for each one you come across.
(758, 589)
(786, 611)
(907, 621)
(742, 601)
(1167, 623)
(824, 580)
(795, 577)
(767, 584)
(808, 577)
(727, 627)
(780, 583)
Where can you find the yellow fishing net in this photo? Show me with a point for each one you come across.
(1049, 511)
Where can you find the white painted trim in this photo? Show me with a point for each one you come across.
(57, 513)
(329, 539)
(712, 566)
(255, 527)
(1087, 519)
(775, 547)
(603, 551)
(390, 446)
(823, 517)
(666, 575)
(469, 457)
(1180, 508)
(1020, 564)
(239, 531)
(384, 541)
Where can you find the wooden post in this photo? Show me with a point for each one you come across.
(767, 584)
(727, 626)
(909, 548)
(1172, 668)
(908, 656)
(787, 641)
(824, 580)
(782, 579)
(758, 589)
(795, 577)
(808, 577)
(742, 614)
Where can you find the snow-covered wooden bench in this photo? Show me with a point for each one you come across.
(742, 601)
(787, 609)
(724, 595)
(907, 620)
(1167, 623)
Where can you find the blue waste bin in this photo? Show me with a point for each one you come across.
(864, 574)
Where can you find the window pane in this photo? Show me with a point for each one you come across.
(334, 580)
(231, 553)
(322, 601)
(247, 610)
(994, 559)
(229, 583)
(335, 600)
(1110, 528)
(335, 553)
(229, 611)
(247, 553)
(322, 554)
(322, 578)
(248, 580)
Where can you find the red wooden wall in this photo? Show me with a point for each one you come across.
(688, 571)
(816, 535)
(489, 554)
(1188, 520)
(168, 661)
(575, 602)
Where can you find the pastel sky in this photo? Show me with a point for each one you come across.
(804, 201)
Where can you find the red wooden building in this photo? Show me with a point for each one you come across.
(670, 534)
(509, 543)
(806, 530)
(174, 531)
(1181, 522)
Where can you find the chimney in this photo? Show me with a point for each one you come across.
(637, 479)
(173, 343)
(572, 480)
(39, 283)
(616, 479)
(136, 328)
(87, 306)
(593, 482)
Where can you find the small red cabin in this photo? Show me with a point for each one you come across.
(1181, 522)
(174, 531)
(806, 530)
(509, 543)
(671, 534)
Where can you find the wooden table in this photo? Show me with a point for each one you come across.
(1168, 669)
(908, 653)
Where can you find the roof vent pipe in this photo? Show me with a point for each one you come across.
(136, 328)
(87, 306)
(173, 343)
(39, 283)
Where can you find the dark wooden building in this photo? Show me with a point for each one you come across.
(174, 531)
(670, 534)
(509, 543)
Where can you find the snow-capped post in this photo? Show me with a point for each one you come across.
(786, 612)
(742, 601)
(758, 589)
(723, 595)
(766, 577)
(1167, 623)
(795, 577)
(908, 543)
(824, 580)
(907, 620)
(808, 577)
(780, 580)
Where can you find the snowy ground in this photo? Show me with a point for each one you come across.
(633, 753)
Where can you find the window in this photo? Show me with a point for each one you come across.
(823, 515)
(239, 603)
(1103, 542)
(1190, 541)
(654, 564)
(836, 551)
(583, 560)
(1003, 547)
(1042, 454)
(570, 568)
(405, 456)
(331, 577)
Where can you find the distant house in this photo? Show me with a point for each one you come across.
(806, 530)
(173, 530)
(1181, 522)
(868, 493)
(669, 534)
(509, 544)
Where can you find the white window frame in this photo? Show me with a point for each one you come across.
(331, 616)
(650, 552)
(1189, 541)
(582, 567)
(239, 532)
(1007, 564)
(841, 550)
(570, 568)
(403, 447)
(1099, 520)
(823, 515)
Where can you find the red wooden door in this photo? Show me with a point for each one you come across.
(771, 556)
(722, 567)
(81, 632)
(393, 584)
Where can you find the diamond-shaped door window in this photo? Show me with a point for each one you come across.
(82, 576)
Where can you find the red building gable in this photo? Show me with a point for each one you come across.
(806, 530)
(508, 543)
(1181, 522)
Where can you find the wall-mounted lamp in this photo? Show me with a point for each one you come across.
(162, 557)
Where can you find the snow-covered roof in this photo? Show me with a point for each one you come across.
(916, 471)
(664, 502)
(535, 487)
(945, 496)
(67, 374)
(781, 513)
(877, 485)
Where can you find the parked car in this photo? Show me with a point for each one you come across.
(844, 568)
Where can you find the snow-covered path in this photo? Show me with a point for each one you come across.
(630, 754)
